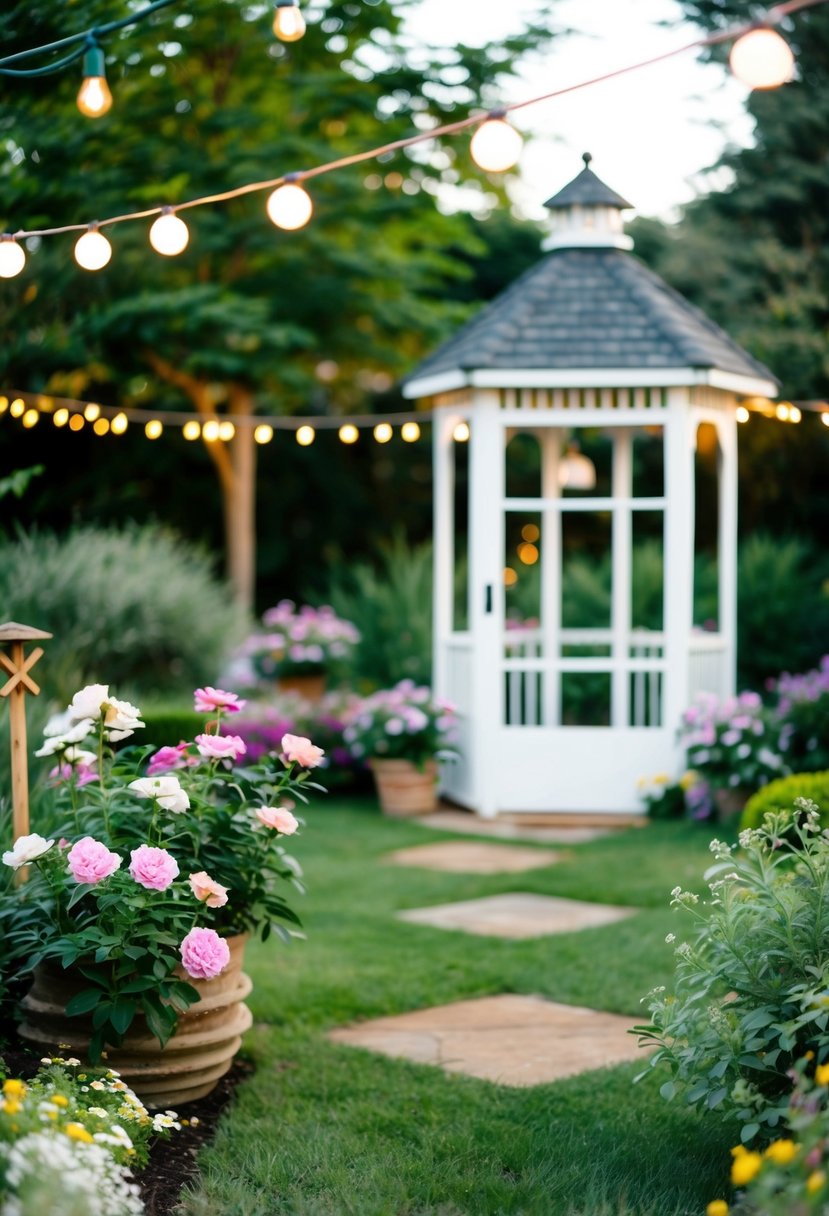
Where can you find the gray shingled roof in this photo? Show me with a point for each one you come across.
(590, 308)
(587, 190)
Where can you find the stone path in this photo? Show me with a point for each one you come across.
(509, 1039)
(474, 857)
(468, 824)
(517, 915)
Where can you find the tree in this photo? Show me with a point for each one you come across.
(241, 321)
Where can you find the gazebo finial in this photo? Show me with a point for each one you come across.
(586, 157)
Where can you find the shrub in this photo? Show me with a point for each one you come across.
(167, 725)
(779, 795)
(750, 994)
(803, 708)
(732, 744)
(138, 607)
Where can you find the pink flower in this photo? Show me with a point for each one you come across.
(153, 868)
(166, 759)
(295, 747)
(208, 700)
(82, 774)
(204, 954)
(90, 861)
(209, 892)
(279, 818)
(221, 747)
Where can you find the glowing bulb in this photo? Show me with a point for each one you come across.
(263, 433)
(91, 412)
(94, 97)
(30, 419)
(510, 577)
(119, 424)
(383, 432)
(101, 426)
(191, 430)
(495, 146)
(530, 533)
(290, 207)
(461, 432)
(76, 422)
(794, 414)
(288, 22)
(762, 59)
(4, 404)
(305, 436)
(742, 414)
(169, 234)
(528, 553)
(12, 257)
(61, 417)
(153, 429)
(782, 411)
(410, 432)
(92, 250)
(17, 408)
(226, 431)
(349, 433)
(825, 419)
(210, 431)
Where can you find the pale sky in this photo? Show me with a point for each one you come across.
(650, 133)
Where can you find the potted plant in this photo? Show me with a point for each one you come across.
(403, 732)
(298, 647)
(139, 900)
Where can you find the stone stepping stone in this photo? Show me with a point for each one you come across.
(509, 1039)
(466, 823)
(474, 857)
(516, 915)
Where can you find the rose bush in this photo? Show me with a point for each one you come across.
(304, 641)
(402, 723)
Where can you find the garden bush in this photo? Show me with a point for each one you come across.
(165, 725)
(779, 795)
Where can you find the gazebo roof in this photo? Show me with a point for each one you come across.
(587, 190)
(585, 308)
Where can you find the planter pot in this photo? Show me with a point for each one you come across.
(403, 788)
(310, 687)
(730, 801)
(201, 1051)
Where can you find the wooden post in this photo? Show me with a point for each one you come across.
(18, 665)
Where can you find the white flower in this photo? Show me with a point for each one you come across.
(89, 702)
(121, 719)
(670, 938)
(76, 733)
(26, 849)
(166, 790)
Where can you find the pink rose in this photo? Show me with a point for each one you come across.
(221, 747)
(166, 759)
(295, 747)
(279, 818)
(209, 892)
(204, 954)
(90, 861)
(153, 868)
(208, 700)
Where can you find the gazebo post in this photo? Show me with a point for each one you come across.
(727, 547)
(678, 588)
(622, 574)
(443, 557)
(550, 441)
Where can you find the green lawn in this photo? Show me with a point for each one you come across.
(324, 1130)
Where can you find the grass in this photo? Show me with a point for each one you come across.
(324, 1130)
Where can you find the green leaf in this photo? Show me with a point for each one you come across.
(668, 1090)
(122, 1015)
(83, 1001)
(749, 1132)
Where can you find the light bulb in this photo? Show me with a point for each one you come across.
(30, 419)
(169, 234)
(782, 411)
(349, 433)
(92, 250)
(61, 416)
(4, 404)
(101, 426)
(94, 97)
(12, 257)
(263, 433)
(91, 412)
(742, 414)
(76, 422)
(210, 431)
(762, 59)
(410, 432)
(153, 429)
(383, 432)
(290, 207)
(288, 22)
(461, 432)
(119, 424)
(191, 429)
(226, 431)
(495, 146)
(305, 435)
(794, 414)
(17, 408)
(824, 417)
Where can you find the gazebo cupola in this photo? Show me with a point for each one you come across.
(570, 688)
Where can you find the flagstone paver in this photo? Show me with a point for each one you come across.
(516, 915)
(510, 1039)
(474, 857)
(466, 823)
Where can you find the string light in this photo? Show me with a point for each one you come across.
(348, 433)
(410, 432)
(169, 234)
(762, 59)
(94, 96)
(825, 419)
(290, 207)
(153, 429)
(191, 430)
(781, 411)
(461, 432)
(210, 431)
(92, 250)
(119, 424)
(101, 426)
(742, 414)
(226, 431)
(12, 257)
(496, 146)
(288, 22)
(60, 417)
(30, 419)
(305, 436)
(4, 404)
(510, 576)
(383, 432)
(794, 414)
(91, 412)
(17, 408)
(263, 433)
(527, 553)
(76, 422)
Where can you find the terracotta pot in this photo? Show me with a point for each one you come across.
(730, 801)
(310, 687)
(201, 1051)
(403, 788)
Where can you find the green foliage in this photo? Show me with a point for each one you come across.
(169, 723)
(779, 795)
(17, 483)
(750, 995)
(136, 606)
(390, 602)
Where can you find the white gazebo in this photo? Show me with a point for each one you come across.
(560, 714)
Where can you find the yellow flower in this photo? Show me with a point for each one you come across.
(810, 1055)
(744, 1167)
(77, 1131)
(822, 1074)
(11, 1106)
(14, 1089)
(815, 1181)
(685, 782)
(59, 1100)
(781, 1152)
(717, 1207)
(661, 779)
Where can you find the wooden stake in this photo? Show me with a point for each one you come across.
(18, 667)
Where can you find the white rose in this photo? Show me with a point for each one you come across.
(26, 849)
(167, 792)
(77, 755)
(89, 701)
(58, 743)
